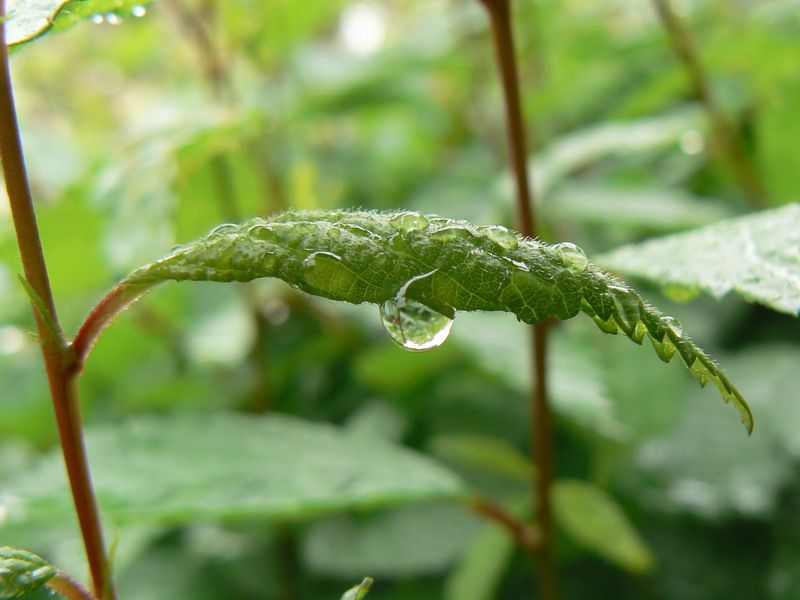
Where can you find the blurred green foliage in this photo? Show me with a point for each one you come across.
(144, 132)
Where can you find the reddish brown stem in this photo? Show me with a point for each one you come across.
(61, 364)
(527, 537)
(117, 300)
(725, 139)
(541, 426)
(68, 587)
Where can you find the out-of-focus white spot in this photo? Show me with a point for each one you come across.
(138, 11)
(362, 27)
(113, 19)
(12, 339)
(692, 142)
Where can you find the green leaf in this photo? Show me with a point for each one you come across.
(593, 519)
(30, 19)
(276, 468)
(756, 256)
(420, 539)
(435, 265)
(359, 591)
(481, 570)
(22, 572)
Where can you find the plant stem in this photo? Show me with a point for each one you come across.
(61, 364)
(527, 537)
(68, 587)
(541, 426)
(726, 141)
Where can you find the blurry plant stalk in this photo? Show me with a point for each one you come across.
(541, 424)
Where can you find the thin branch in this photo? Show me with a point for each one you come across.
(541, 426)
(528, 538)
(61, 364)
(68, 587)
(726, 141)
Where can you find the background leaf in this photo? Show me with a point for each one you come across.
(593, 519)
(756, 256)
(271, 468)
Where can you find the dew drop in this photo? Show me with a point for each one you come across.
(502, 237)
(138, 11)
(574, 258)
(113, 19)
(674, 325)
(97, 19)
(414, 326)
(223, 229)
(359, 231)
(449, 234)
(409, 221)
(516, 263)
(262, 233)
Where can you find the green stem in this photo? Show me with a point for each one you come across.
(541, 425)
(61, 364)
(725, 139)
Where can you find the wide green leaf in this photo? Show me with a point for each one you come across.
(30, 19)
(402, 542)
(190, 466)
(422, 269)
(594, 520)
(756, 256)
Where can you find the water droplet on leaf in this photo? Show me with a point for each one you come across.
(138, 11)
(113, 18)
(262, 233)
(673, 324)
(97, 19)
(413, 325)
(359, 231)
(574, 258)
(409, 221)
(448, 234)
(223, 229)
(502, 237)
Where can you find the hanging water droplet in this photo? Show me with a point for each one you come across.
(674, 325)
(413, 325)
(262, 233)
(138, 11)
(502, 237)
(113, 18)
(574, 258)
(409, 221)
(223, 229)
(97, 19)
